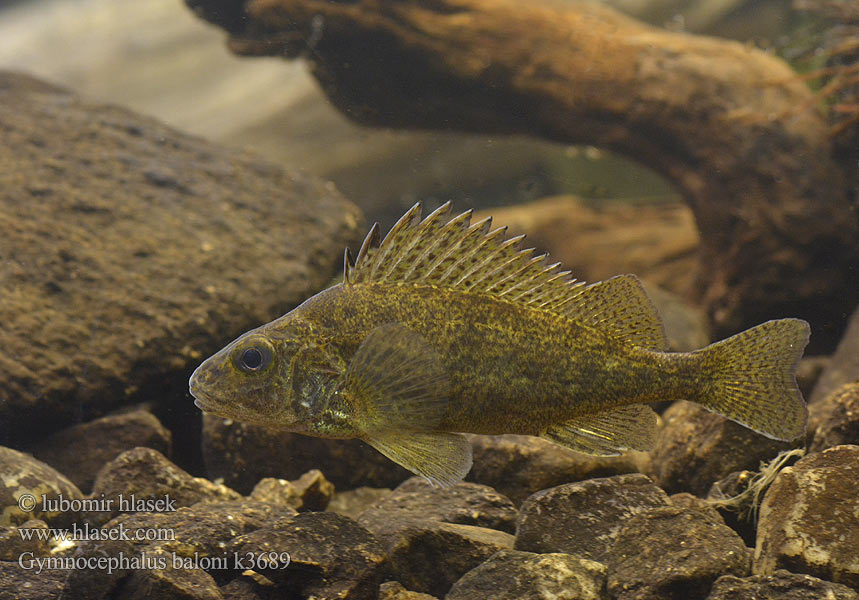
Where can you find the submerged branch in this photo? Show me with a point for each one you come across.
(716, 117)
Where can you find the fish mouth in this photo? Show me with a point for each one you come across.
(201, 401)
(209, 408)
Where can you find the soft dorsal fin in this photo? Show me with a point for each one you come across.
(621, 305)
(457, 254)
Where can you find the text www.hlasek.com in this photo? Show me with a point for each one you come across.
(118, 533)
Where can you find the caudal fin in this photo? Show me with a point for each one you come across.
(753, 378)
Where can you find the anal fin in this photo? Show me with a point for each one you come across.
(607, 433)
(443, 458)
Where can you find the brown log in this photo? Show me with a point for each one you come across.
(723, 121)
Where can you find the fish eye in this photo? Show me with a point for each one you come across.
(251, 359)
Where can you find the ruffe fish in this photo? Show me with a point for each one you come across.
(445, 327)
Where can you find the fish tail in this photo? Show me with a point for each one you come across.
(752, 378)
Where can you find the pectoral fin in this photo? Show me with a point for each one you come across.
(396, 381)
(607, 433)
(443, 458)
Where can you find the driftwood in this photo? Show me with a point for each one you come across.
(728, 124)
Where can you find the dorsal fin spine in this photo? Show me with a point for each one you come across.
(527, 276)
(485, 273)
(520, 273)
(371, 241)
(482, 241)
(456, 246)
(531, 284)
(486, 242)
(417, 235)
(347, 266)
(456, 223)
(388, 243)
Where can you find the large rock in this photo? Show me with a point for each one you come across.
(520, 465)
(781, 585)
(167, 247)
(434, 535)
(143, 480)
(429, 556)
(309, 492)
(584, 518)
(27, 584)
(169, 582)
(809, 519)
(513, 575)
(834, 420)
(98, 442)
(394, 590)
(464, 504)
(330, 556)
(13, 543)
(352, 503)
(844, 366)
(30, 489)
(185, 539)
(695, 448)
(673, 553)
(241, 454)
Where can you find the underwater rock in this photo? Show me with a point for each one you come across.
(394, 590)
(331, 556)
(843, 367)
(352, 503)
(686, 500)
(673, 553)
(808, 373)
(169, 583)
(518, 466)
(430, 556)
(513, 575)
(781, 585)
(808, 518)
(201, 532)
(463, 503)
(597, 240)
(168, 247)
(695, 448)
(246, 588)
(24, 584)
(205, 528)
(23, 483)
(688, 106)
(13, 545)
(81, 450)
(145, 475)
(311, 491)
(834, 421)
(241, 454)
(100, 583)
(584, 518)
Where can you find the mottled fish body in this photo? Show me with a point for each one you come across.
(445, 327)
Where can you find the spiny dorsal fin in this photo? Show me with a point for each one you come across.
(457, 254)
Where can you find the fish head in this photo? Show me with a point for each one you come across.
(251, 380)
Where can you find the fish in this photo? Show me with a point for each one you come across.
(446, 327)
